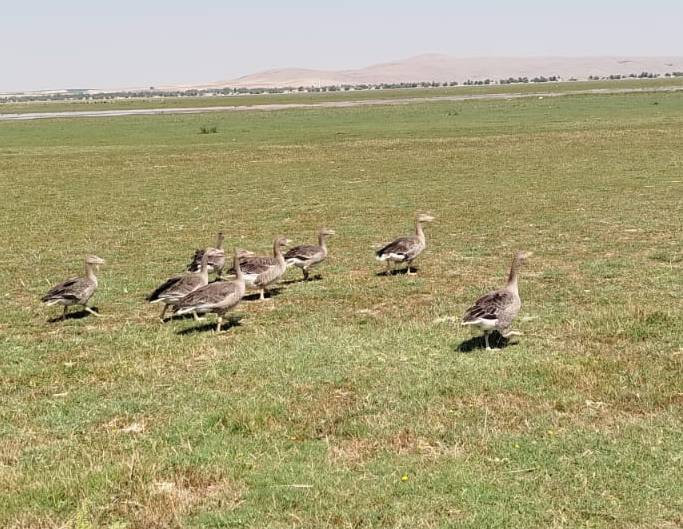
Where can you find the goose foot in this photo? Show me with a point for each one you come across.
(92, 311)
(197, 318)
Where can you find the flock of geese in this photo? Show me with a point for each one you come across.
(192, 293)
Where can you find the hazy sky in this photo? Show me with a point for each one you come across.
(126, 43)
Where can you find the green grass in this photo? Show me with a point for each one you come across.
(349, 401)
(266, 99)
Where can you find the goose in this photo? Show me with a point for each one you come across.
(405, 249)
(177, 287)
(216, 257)
(217, 297)
(497, 309)
(307, 256)
(76, 290)
(260, 271)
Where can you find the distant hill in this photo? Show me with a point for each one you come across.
(436, 67)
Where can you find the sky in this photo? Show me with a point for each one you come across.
(45, 44)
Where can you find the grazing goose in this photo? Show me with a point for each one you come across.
(497, 309)
(308, 255)
(405, 249)
(176, 288)
(216, 257)
(76, 290)
(217, 297)
(259, 272)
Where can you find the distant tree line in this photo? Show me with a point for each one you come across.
(87, 95)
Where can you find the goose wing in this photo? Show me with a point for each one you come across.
(254, 265)
(163, 288)
(72, 288)
(196, 261)
(403, 247)
(216, 259)
(303, 252)
(208, 297)
(489, 307)
(177, 287)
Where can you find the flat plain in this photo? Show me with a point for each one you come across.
(158, 102)
(354, 400)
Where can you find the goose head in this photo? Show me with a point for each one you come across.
(423, 217)
(94, 261)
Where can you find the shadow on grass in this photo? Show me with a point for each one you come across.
(397, 272)
(78, 315)
(229, 323)
(270, 293)
(496, 341)
(176, 317)
(302, 280)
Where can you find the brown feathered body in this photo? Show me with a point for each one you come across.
(75, 290)
(177, 287)
(216, 258)
(306, 256)
(405, 249)
(217, 297)
(497, 309)
(262, 271)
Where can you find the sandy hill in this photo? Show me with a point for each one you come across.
(435, 67)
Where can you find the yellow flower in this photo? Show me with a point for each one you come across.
(404, 477)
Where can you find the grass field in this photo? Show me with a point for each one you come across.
(352, 401)
(266, 99)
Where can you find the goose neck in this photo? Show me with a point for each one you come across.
(90, 272)
(420, 232)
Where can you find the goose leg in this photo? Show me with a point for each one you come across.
(305, 271)
(389, 267)
(262, 296)
(196, 317)
(409, 269)
(486, 339)
(218, 325)
(64, 313)
(163, 313)
(91, 311)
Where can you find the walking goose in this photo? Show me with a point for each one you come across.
(217, 297)
(260, 271)
(405, 249)
(76, 290)
(177, 287)
(307, 256)
(216, 257)
(497, 309)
